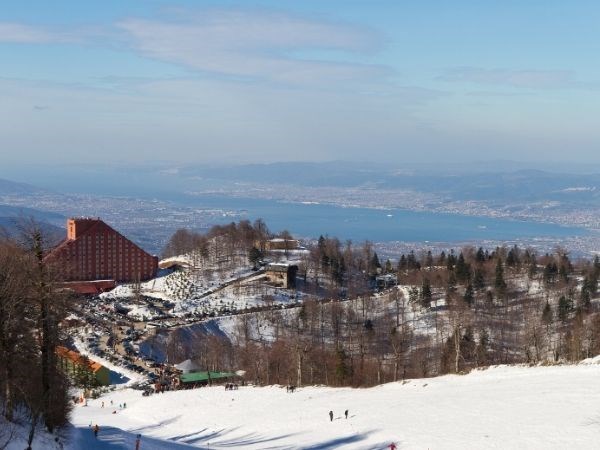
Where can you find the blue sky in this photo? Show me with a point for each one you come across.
(232, 81)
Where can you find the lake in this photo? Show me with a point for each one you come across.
(359, 224)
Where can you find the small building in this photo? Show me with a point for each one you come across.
(82, 368)
(281, 275)
(386, 281)
(282, 244)
(203, 378)
(187, 366)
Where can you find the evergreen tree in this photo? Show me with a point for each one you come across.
(402, 263)
(513, 258)
(469, 297)
(481, 351)
(462, 269)
(254, 256)
(586, 300)
(480, 256)
(450, 261)
(343, 370)
(429, 259)
(426, 294)
(388, 267)
(478, 280)
(412, 262)
(550, 273)
(374, 265)
(499, 282)
(413, 294)
(442, 259)
(375, 261)
(547, 315)
(565, 306)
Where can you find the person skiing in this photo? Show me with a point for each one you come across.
(138, 439)
(346, 413)
(392, 446)
(331, 416)
(96, 429)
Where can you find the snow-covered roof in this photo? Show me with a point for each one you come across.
(187, 366)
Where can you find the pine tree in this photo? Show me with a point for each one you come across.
(402, 263)
(478, 279)
(565, 306)
(429, 259)
(547, 315)
(450, 261)
(469, 297)
(462, 269)
(426, 294)
(254, 256)
(499, 282)
(480, 256)
(442, 258)
(342, 369)
(374, 265)
(513, 258)
(388, 267)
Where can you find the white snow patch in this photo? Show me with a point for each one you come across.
(503, 407)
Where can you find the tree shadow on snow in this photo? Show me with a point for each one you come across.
(345, 440)
(218, 438)
(157, 425)
(112, 438)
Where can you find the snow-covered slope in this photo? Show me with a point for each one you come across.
(554, 407)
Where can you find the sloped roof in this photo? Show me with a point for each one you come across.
(97, 225)
(78, 358)
(196, 377)
(187, 365)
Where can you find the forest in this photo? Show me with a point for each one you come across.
(33, 388)
(449, 313)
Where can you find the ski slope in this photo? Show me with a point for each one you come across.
(556, 407)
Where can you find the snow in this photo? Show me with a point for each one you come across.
(198, 292)
(551, 407)
(19, 432)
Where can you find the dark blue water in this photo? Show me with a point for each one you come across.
(358, 224)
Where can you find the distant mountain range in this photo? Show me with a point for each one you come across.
(16, 220)
(502, 183)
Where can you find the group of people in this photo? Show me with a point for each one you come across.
(331, 415)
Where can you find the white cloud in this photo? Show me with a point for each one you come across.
(25, 34)
(532, 79)
(257, 45)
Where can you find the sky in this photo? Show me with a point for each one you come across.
(396, 81)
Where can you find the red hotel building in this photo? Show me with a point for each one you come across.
(95, 251)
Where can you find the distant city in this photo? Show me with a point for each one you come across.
(563, 210)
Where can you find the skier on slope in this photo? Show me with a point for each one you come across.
(331, 416)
